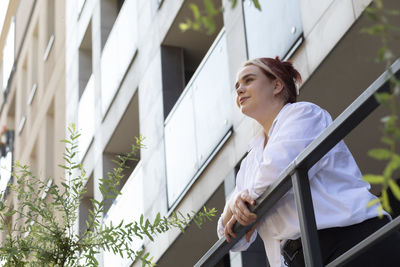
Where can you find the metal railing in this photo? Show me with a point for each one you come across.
(296, 175)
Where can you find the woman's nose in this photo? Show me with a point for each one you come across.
(240, 90)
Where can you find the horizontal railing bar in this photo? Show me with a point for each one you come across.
(340, 127)
(379, 235)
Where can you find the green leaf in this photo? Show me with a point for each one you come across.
(157, 219)
(383, 98)
(184, 26)
(380, 153)
(393, 165)
(388, 141)
(381, 54)
(385, 201)
(373, 202)
(393, 12)
(380, 211)
(209, 24)
(374, 30)
(395, 188)
(195, 10)
(10, 213)
(257, 4)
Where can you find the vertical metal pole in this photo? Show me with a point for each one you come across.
(308, 227)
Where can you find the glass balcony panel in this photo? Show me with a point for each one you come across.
(81, 3)
(127, 207)
(180, 147)
(5, 171)
(86, 117)
(199, 121)
(8, 54)
(118, 53)
(212, 100)
(271, 33)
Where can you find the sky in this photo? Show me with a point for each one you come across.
(3, 10)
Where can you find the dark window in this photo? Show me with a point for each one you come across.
(121, 142)
(182, 53)
(109, 13)
(85, 59)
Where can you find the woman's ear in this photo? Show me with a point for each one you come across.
(278, 87)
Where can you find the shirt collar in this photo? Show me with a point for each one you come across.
(259, 137)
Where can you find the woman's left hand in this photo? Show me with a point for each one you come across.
(229, 230)
(240, 209)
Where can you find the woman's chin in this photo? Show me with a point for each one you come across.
(245, 110)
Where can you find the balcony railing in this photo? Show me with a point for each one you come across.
(86, 115)
(296, 175)
(205, 104)
(118, 53)
(126, 207)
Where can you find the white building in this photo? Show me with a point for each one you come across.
(129, 70)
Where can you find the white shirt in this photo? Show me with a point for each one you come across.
(339, 194)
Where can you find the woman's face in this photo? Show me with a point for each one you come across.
(256, 92)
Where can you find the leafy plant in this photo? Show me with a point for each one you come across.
(42, 233)
(383, 29)
(204, 19)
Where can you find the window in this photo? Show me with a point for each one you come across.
(189, 143)
(279, 21)
(33, 159)
(81, 3)
(181, 54)
(109, 13)
(8, 54)
(85, 59)
(34, 65)
(50, 141)
(50, 5)
(1, 83)
(22, 94)
(6, 160)
(50, 24)
(86, 205)
(121, 142)
(119, 51)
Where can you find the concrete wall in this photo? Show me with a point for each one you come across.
(326, 25)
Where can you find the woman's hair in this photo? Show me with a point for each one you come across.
(284, 70)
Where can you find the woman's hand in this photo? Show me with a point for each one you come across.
(250, 233)
(229, 230)
(240, 209)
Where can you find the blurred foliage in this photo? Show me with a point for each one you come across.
(204, 17)
(385, 31)
(39, 229)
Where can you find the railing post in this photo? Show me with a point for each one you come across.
(305, 210)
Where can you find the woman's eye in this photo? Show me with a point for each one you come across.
(249, 80)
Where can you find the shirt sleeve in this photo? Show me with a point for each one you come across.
(297, 128)
(242, 244)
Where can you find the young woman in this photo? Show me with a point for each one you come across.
(266, 91)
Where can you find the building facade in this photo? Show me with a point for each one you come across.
(32, 109)
(122, 68)
(131, 71)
